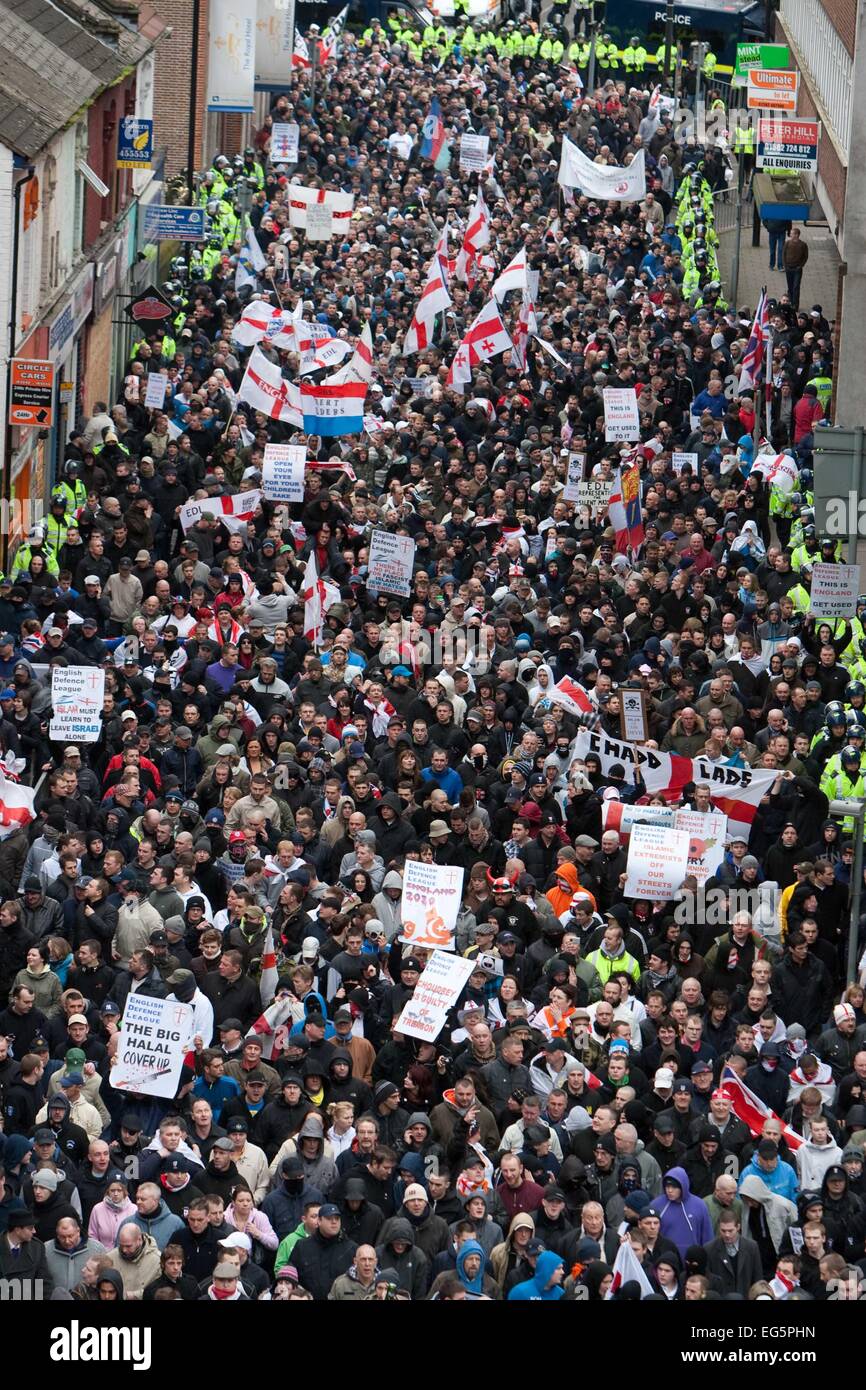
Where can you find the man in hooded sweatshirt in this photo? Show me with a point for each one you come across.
(545, 1286)
(684, 1218)
(397, 1250)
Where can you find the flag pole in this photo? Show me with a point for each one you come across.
(756, 435)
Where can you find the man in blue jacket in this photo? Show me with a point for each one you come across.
(684, 1219)
(778, 1176)
(545, 1286)
(442, 776)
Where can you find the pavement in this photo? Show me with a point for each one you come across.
(820, 278)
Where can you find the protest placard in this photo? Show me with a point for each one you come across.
(679, 460)
(320, 222)
(834, 590)
(657, 862)
(283, 472)
(707, 833)
(621, 418)
(573, 477)
(437, 990)
(632, 715)
(154, 396)
(474, 153)
(77, 695)
(285, 138)
(595, 494)
(390, 563)
(622, 816)
(153, 1038)
(429, 905)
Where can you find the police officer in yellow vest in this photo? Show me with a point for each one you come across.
(634, 56)
(56, 525)
(847, 783)
(71, 489)
(606, 54)
(824, 387)
(709, 65)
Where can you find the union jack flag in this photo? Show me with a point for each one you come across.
(753, 358)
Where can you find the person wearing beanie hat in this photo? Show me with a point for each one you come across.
(431, 1233)
(840, 1044)
(705, 1161)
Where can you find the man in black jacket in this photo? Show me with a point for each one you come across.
(22, 1256)
(323, 1257)
(802, 989)
(734, 1258)
(231, 992)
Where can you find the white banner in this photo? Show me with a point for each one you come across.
(474, 153)
(607, 181)
(275, 36)
(231, 55)
(151, 1046)
(285, 139)
(154, 396)
(283, 472)
(390, 562)
(621, 418)
(438, 989)
(430, 903)
(657, 862)
(77, 695)
(834, 590)
(707, 832)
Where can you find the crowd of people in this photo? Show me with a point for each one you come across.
(256, 775)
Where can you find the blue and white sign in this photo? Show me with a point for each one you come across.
(134, 143)
(163, 222)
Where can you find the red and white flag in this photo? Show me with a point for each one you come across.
(475, 238)
(341, 205)
(513, 276)
(330, 38)
(360, 368)
(627, 1267)
(434, 300)
(571, 696)
(314, 596)
(301, 53)
(751, 1109)
(329, 354)
(527, 324)
(265, 388)
(16, 806)
(486, 337)
(261, 320)
(269, 978)
(781, 1285)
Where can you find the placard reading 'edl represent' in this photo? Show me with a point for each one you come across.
(154, 1036)
(77, 697)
